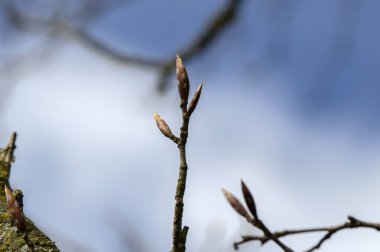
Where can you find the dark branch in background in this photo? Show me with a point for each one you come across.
(179, 232)
(351, 223)
(61, 27)
(213, 29)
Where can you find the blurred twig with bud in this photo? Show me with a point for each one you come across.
(179, 232)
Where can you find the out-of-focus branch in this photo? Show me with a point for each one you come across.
(65, 29)
(213, 29)
(60, 27)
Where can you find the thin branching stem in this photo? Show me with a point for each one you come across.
(260, 225)
(179, 233)
(352, 222)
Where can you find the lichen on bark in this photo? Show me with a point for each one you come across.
(11, 238)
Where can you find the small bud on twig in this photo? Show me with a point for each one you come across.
(235, 203)
(162, 125)
(183, 80)
(195, 99)
(249, 199)
(14, 210)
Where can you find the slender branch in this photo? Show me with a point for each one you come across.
(352, 222)
(180, 233)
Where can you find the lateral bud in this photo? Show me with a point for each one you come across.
(183, 80)
(162, 126)
(235, 203)
(14, 210)
(195, 99)
(249, 200)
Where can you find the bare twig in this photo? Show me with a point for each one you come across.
(179, 232)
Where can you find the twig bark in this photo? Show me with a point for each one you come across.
(180, 233)
(260, 225)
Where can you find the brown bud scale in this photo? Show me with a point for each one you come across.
(162, 125)
(182, 79)
(249, 200)
(195, 99)
(235, 203)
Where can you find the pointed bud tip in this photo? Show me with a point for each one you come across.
(249, 200)
(199, 89)
(162, 125)
(178, 59)
(195, 99)
(235, 203)
(178, 62)
(226, 193)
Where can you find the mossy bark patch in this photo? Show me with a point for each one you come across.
(11, 239)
